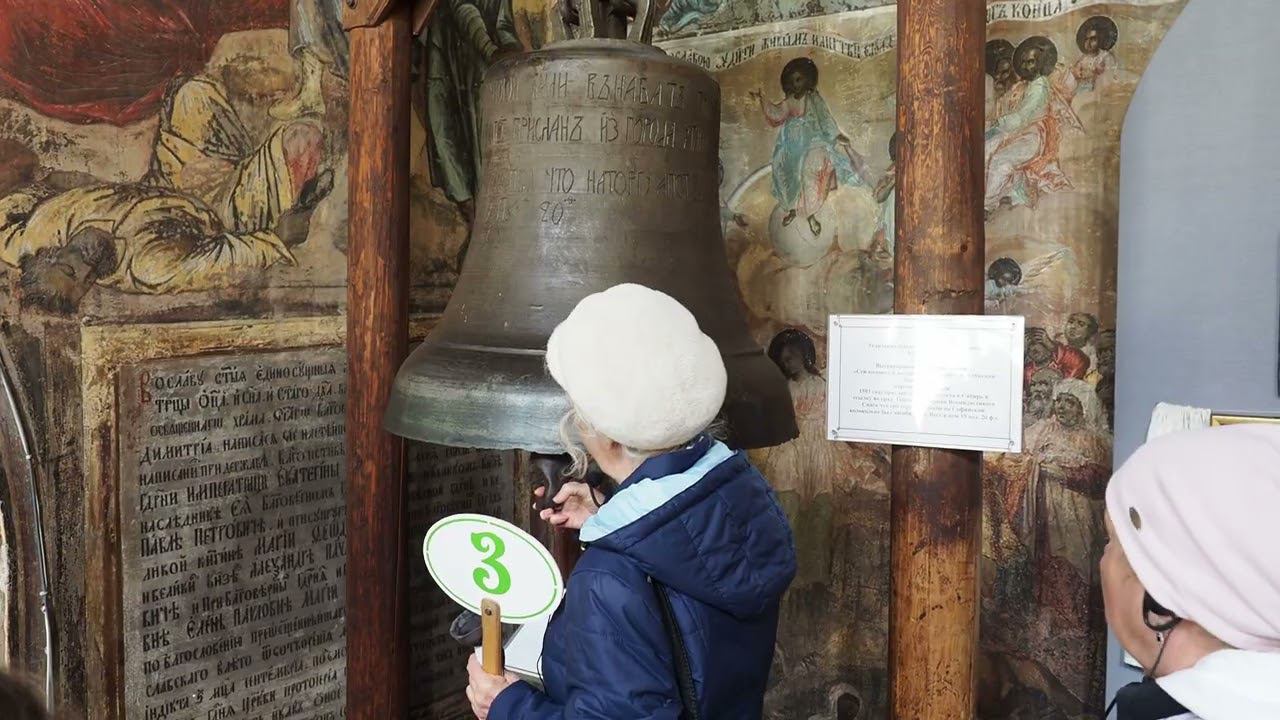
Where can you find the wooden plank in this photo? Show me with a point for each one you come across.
(936, 510)
(377, 342)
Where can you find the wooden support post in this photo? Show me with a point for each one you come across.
(936, 508)
(565, 550)
(377, 341)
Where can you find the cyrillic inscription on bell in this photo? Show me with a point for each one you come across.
(600, 167)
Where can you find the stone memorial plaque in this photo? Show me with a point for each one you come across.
(232, 536)
(233, 546)
(445, 481)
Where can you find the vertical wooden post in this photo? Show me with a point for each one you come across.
(565, 550)
(377, 341)
(936, 509)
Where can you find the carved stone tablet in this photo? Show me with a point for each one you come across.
(444, 481)
(233, 543)
(232, 536)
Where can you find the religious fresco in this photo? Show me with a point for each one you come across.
(1059, 87)
(683, 18)
(807, 201)
(173, 184)
(202, 172)
(808, 117)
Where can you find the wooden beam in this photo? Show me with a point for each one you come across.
(936, 510)
(377, 342)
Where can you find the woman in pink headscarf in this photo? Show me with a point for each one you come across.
(1191, 576)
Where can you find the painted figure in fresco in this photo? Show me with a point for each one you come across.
(1063, 496)
(1038, 402)
(1105, 351)
(1051, 498)
(1079, 332)
(1003, 278)
(136, 238)
(802, 471)
(811, 156)
(540, 22)
(843, 703)
(318, 45)
(728, 214)
(1106, 390)
(1010, 282)
(1022, 143)
(204, 150)
(1014, 687)
(1096, 39)
(1042, 351)
(463, 38)
(885, 194)
(687, 14)
(112, 61)
(1000, 74)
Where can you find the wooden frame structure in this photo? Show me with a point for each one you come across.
(936, 501)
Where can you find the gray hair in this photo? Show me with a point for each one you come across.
(573, 426)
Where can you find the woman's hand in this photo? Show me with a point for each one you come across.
(483, 688)
(576, 504)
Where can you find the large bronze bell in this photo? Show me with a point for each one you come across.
(600, 167)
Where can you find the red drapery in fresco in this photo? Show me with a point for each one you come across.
(88, 61)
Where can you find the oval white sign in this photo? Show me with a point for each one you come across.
(473, 557)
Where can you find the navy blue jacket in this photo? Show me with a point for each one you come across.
(703, 522)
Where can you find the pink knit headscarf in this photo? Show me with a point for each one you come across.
(1198, 515)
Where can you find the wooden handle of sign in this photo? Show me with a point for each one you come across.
(491, 626)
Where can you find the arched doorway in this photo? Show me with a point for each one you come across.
(25, 615)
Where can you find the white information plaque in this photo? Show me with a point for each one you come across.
(945, 381)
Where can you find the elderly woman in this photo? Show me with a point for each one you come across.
(673, 609)
(1191, 577)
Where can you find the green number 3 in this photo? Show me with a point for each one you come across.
(492, 576)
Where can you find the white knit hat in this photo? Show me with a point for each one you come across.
(637, 367)
(1196, 513)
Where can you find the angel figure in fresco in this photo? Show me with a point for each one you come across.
(1096, 38)
(1000, 75)
(811, 156)
(462, 40)
(1022, 143)
(1053, 494)
(1009, 282)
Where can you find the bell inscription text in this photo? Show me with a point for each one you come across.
(564, 137)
